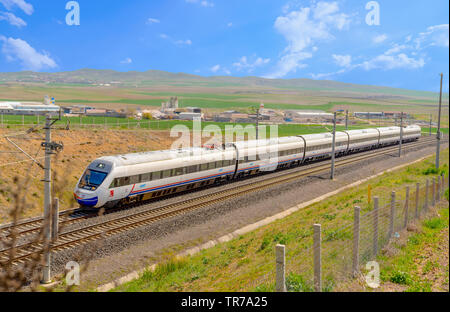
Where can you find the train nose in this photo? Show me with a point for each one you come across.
(87, 200)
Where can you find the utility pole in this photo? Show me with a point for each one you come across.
(401, 136)
(333, 149)
(257, 124)
(50, 147)
(438, 137)
(346, 119)
(46, 278)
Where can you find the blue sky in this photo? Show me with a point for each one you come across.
(266, 38)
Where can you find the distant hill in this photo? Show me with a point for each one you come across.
(152, 77)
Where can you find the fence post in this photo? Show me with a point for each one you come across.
(438, 189)
(417, 200)
(427, 189)
(433, 199)
(375, 226)
(443, 184)
(317, 258)
(280, 268)
(55, 219)
(392, 217)
(405, 222)
(357, 213)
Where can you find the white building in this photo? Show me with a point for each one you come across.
(28, 108)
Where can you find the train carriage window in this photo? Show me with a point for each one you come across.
(219, 164)
(192, 169)
(124, 181)
(135, 179)
(156, 175)
(178, 171)
(212, 165)
(203, 167)
(166, 174)
(146, 177)
(115, 183)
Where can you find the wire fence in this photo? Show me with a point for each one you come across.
(323, 262)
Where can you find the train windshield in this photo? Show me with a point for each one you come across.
(92, 178)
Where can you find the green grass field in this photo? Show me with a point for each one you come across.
(235, 265)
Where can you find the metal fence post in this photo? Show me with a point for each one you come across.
(392, 217)
(55, 219)
(417, 200)
(433, 193)
(280, 268)
(427, 189)
(317, 258)
(405, 222)
(357, 213)
(375, 226)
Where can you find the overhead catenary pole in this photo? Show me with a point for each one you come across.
(438, 136)
(346, 119)
(333, 149)
(46, 278)
(257, 124)
(401, 136)
(431, 121)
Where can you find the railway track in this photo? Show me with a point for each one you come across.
(134, 220)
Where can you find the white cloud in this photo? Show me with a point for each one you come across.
(176, 42)
(342, 60)
(153, 21)
(22, 4)
(230, 24)
(203, 3)
(183, 42)
(12, 19)
(388, 62)
(244, 64)
(380, 38)
(30, 59)
(302, 29)
(215, 68)
(127, 61)
(434, 36)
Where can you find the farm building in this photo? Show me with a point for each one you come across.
(28, 108)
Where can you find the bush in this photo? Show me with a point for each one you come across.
(401, 278)
(434, 224)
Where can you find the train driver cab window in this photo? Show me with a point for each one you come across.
(92, 179)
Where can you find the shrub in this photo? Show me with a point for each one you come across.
(435, 223)
(402, 278)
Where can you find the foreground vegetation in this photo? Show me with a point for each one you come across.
(241, 264)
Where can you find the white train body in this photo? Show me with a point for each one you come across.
(111, 180)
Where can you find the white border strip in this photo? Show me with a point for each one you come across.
(251, 227)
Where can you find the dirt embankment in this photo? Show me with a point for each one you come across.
(80, 148)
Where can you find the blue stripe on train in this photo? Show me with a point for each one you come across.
(91, 202)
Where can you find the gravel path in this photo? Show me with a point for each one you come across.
(116, 256)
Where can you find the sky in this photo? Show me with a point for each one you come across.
(401, 43)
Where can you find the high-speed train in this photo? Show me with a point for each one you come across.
(116, 180)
